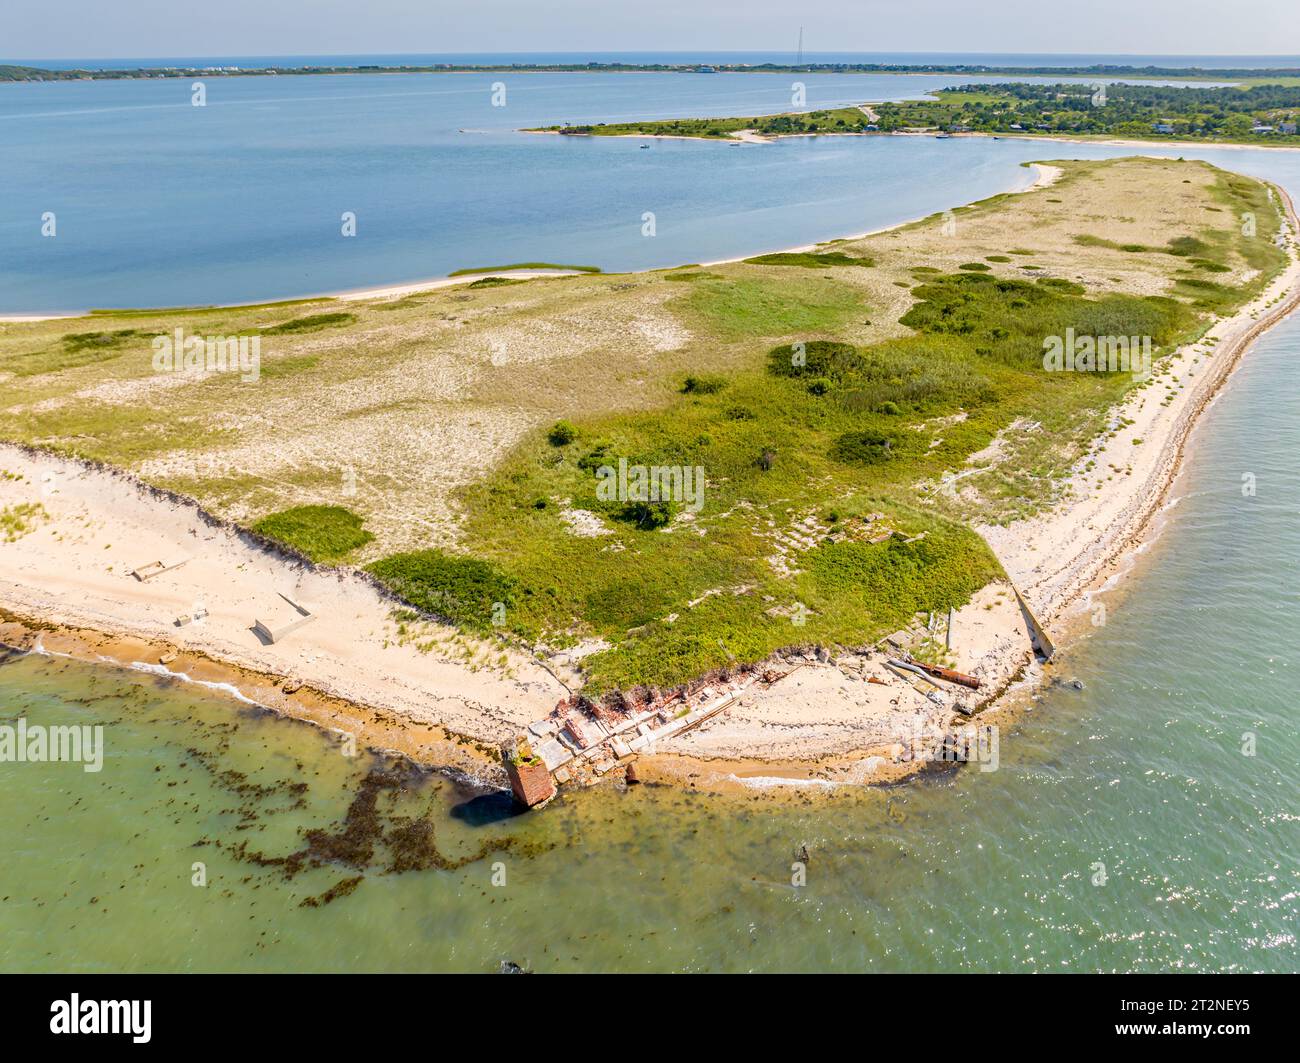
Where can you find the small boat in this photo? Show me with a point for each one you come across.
(644, 147)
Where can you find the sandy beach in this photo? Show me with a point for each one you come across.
(66, 585)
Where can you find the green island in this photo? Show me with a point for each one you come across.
(451, 441)
(1258, 114)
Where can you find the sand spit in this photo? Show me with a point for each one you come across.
(439, 696)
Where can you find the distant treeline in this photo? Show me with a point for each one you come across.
(1260, 112)
(32, 73)
(1255, 115)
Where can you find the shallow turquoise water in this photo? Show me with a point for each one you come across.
(1142, 772)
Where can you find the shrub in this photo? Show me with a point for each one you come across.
(820, 358)
(648, 515)
(862, 448)
(562, 433)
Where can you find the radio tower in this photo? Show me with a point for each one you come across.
(799, 61)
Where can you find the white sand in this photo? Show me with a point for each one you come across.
(74, 568)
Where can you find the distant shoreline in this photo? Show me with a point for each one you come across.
(16, 72)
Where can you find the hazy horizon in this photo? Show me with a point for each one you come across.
(809, 55)
(157, 28)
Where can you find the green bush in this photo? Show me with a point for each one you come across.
(562, 433)
(460, 589)
(325, 534)
(648, 515)
(862, 448)
(816, 358)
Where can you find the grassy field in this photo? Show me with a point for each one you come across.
(452, 441)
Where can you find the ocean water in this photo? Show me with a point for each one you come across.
(1145, 822)
(160, 203)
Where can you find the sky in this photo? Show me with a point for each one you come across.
(140, 28)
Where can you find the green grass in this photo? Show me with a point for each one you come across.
(707, 384)
(468, 592)
(761, 307)
(79, 349)
(17, 520)
(809, 259)
(287, 367)
(311, 323)
(692, 275)
(493, 282)
(326, 534)
(522, 265)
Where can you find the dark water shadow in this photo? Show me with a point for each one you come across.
(487, 809)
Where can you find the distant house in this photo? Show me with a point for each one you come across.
(1162, 127)
(705, 70)
(1260, 127)
(959, 129)
(873, 128)
(1288, 128)
(1016, 125)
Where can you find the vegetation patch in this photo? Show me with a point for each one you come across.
(17, 520)
(79, 349)
(464, 590)
(809, 259)
(325, 534)
(759, 307)
(310, 323)
(1007, 320)
(522, 265)
(494, 282)
(707, 384)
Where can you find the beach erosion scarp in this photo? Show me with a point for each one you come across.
(842, 717)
